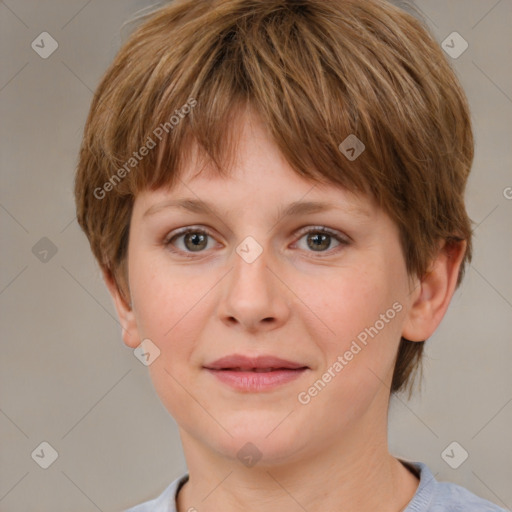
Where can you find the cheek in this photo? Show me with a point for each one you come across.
(169, 316)
(168, 311)
(155, 303)
(162, 295)
(360, 315)
(171, 305)
(348, 301)
(365, 312)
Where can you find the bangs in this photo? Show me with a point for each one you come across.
(308, 95)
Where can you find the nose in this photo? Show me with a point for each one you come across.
(254, 297)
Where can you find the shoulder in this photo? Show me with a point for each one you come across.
(451, 497)
(165, 502)
(434, 496)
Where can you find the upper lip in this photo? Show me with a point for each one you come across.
(249, 363)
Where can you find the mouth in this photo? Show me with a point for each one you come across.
(263, 373)
(256, 370)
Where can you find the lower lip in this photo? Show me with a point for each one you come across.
(256, 381)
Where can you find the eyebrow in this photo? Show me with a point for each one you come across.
(290, 210)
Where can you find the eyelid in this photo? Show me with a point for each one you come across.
(324, 229)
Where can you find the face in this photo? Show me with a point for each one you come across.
(325, 289)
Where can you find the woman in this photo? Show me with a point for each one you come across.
(274, 190)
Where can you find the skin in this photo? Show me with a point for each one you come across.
(294, 301)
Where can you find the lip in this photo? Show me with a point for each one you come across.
(255, 374)
(247, 363)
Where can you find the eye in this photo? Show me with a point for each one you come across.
(195, 240)
(319, 239)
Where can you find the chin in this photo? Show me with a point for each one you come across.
(251, 445)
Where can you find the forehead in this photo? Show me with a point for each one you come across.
(256, 174)
(283, 196)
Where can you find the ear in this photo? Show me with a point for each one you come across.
(124, 312)
(434, 292)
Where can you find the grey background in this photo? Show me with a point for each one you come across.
(67, 378)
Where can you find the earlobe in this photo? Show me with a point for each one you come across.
(124, 310)
(435, 292)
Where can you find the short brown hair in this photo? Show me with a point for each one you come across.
(316, 71)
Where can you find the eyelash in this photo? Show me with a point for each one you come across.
(315, 229)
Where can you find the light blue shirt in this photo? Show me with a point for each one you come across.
(431, 496)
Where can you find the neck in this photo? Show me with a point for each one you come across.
(356, 474)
